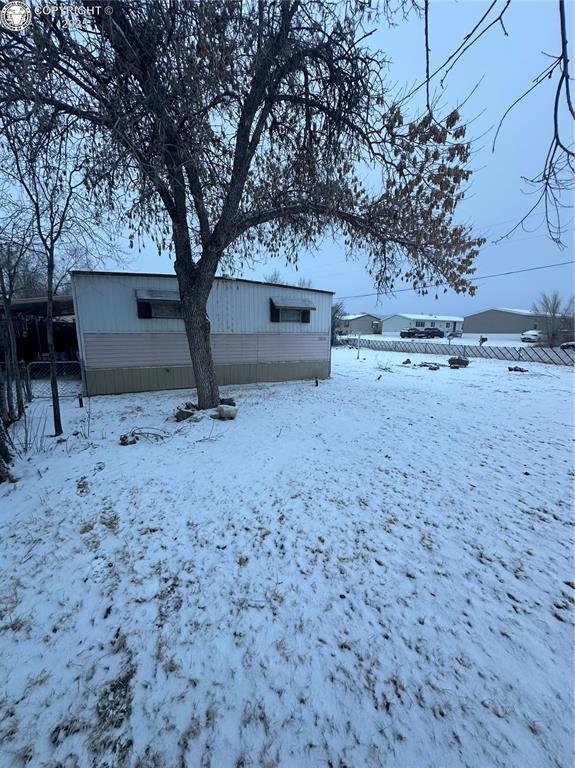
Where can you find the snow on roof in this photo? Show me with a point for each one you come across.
(447, 318)
(529, 312)
(292, 303)
(219, 278)
(356, 317)
(520, 311)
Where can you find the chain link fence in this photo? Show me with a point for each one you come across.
(69, 375)
(533, 354)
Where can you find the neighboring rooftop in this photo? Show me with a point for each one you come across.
(446, 318)
(512, 311)
(356, 317)
(515, 311)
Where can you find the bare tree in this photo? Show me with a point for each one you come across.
(274, 277)
(11, 255)
(337, 314)
(16, 232)
(8, 409)
(30, 277)
(52, 178)
(557, 316)
(554, 184)
(240, 125)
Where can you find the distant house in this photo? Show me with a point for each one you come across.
(132, 339)
(364, 323)
(446, 323)
(504, 321)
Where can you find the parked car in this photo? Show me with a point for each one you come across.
(409, 333)
(568, 345)
(532, 336)
(429, 333)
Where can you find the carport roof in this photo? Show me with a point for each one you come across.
(37, 305)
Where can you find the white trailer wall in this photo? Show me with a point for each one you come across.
(122, 352)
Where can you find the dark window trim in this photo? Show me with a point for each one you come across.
(276, 314)
(144, 309)
(152, 310)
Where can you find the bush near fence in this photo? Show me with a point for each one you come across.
(534, 354)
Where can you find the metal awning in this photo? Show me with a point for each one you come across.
(292, 303)
(153, 295)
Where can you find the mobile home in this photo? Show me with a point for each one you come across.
(131, 336)
(364, 323)
(446, 323)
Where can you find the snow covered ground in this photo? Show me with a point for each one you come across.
(376, 571)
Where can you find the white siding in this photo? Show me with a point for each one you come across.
(106, 303)
(396, 323)
(132, 350)
(112, 335)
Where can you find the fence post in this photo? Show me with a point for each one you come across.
(27, 382)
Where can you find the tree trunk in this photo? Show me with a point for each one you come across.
(15, 362)
(194, 293)
(4, 417)
(9, 372)
(5, 455)
(52, 351)
(195, 281)
(6, 288)
(197, 323)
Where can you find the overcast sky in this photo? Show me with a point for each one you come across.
(504, 67)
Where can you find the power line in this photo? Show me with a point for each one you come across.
(471, 279)
(314, 274)
(319, 272)
(492, 244)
